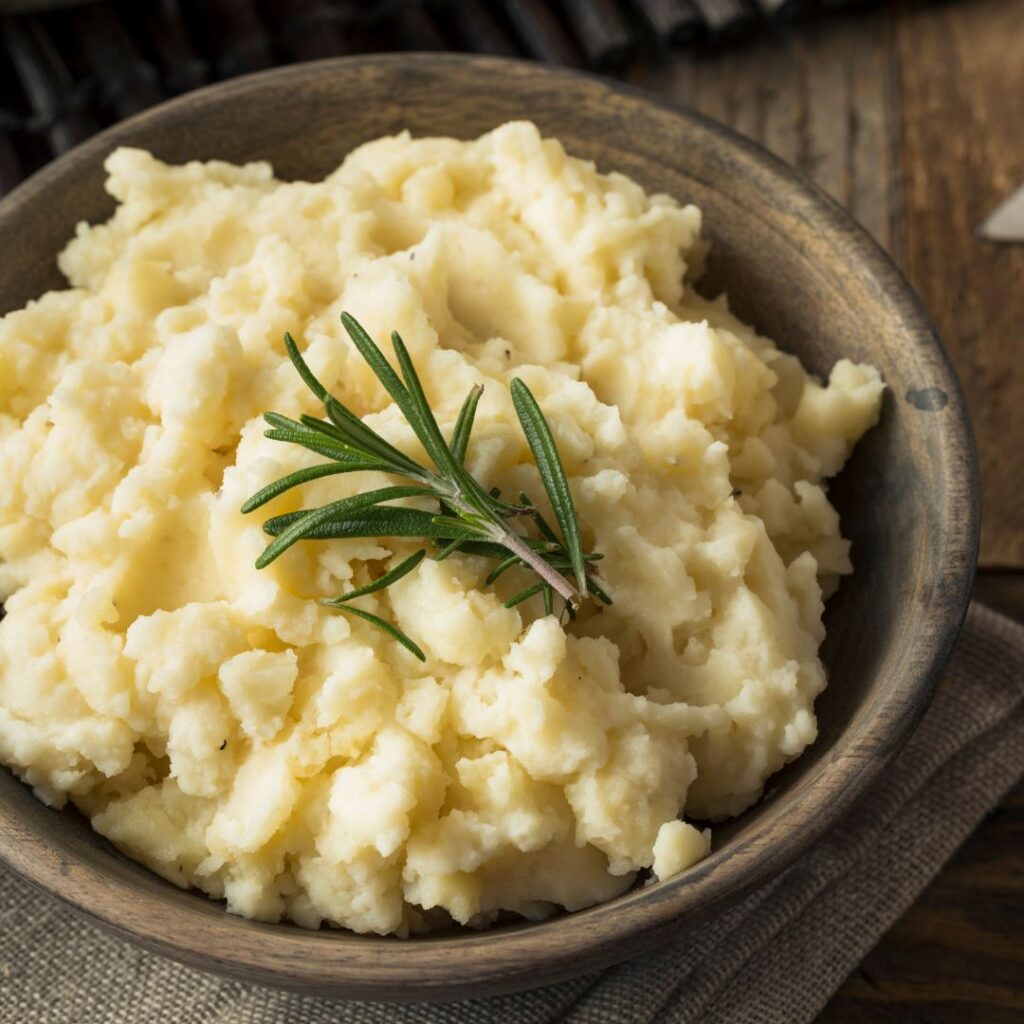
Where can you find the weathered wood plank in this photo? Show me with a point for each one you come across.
(821, 96)
(1004, 591)
(957, 956)
(962, 100)
(913, 118)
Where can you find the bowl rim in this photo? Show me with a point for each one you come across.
(336, 962)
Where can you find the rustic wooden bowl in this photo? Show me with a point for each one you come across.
(797, 267)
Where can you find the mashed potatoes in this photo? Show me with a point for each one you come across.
(220, 725)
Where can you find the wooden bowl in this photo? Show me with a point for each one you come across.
(798, 268)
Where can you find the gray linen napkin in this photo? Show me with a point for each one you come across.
(776, 957)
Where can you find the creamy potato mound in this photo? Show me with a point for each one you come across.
(225, 729)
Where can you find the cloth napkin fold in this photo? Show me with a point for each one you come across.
(777, 956)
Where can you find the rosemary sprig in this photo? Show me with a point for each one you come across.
(469, 518)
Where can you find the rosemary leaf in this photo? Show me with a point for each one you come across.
(525, 595)
(361, 435)
(302, 366)
(389, 628)
(461, 526)
(317, 443)
(377, 362)
(433, 440)
(552, 474)
(429, 432)
(542, 524)
(337, 510)
(302, 476)
(391, 576)
(384, 521)
(275, 419)
(464, 424)
(378, 449)
(352, 429)
(325, 428)
(485, 549)
(500, 568)
(449, 549)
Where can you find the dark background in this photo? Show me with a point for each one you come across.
(71, 71)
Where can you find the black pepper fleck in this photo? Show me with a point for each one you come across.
(223, 745)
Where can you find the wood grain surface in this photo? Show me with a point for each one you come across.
(913, 118)
(958, 955)
(962, 91)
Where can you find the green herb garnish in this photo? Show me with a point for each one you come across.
(469, 518)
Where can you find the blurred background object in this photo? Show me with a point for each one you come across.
(81, 64)
(1006, 222)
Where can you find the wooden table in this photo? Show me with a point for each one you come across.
(913, 118)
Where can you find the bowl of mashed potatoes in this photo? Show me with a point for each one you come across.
(762, 436)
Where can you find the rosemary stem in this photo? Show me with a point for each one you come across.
(509, 539)
(557, 582)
